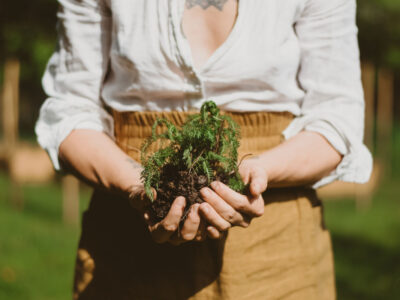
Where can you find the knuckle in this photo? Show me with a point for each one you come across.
(169, 227)
(187, 236)
(241, 206)
(200, 238)
(231, 216)
(203, 206)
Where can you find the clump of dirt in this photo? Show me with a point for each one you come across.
(204, 149)
(182, 183)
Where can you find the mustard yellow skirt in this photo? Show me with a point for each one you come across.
(285, 254)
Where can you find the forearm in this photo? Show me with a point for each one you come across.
(303, 159)
(97, 160)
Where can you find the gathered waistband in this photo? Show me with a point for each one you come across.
(259, 131)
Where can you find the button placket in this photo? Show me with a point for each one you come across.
(192, 82)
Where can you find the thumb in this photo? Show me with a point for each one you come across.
(245, 175)
(258, 182)
(139, 199)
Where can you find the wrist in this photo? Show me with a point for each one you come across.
(272, 166)
(125, 176)
(129, 183)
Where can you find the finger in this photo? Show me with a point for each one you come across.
(238, 201)
(202, 232)
(222, 207)
(244, 174)
(162, 231)
(213, 218)
(257, 207)
(191, 224)
(213, 233)
(258, 182)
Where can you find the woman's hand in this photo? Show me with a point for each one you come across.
(168, 230)
(224, 207)
(96, 159)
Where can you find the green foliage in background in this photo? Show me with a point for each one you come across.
(379, 31)
(28, 32)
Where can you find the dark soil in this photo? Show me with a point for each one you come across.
(173, 184)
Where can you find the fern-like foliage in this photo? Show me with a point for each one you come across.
(205, 145)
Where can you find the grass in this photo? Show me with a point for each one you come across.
(367, 245)
(36, 248)
(37, 251)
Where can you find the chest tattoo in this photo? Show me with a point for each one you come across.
(204, 4)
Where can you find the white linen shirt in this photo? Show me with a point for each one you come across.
(299, 56)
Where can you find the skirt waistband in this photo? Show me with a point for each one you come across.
(260, 131)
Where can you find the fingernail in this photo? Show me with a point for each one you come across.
(181, 201)
(215, 184)
(256, 187)
(205, 191)
(204, 208)
(194, 208)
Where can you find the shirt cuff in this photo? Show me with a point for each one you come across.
(51, 135)
(356, 164)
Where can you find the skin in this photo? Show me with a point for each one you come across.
(301, 160)
(206, 29)
(96, 159)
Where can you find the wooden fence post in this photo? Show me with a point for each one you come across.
(10, 104)
(363, 193)
(70, 188)
(10, 109)
(368, 80)
(385, 118)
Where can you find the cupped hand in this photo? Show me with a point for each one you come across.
(223, 207)
(169, 230)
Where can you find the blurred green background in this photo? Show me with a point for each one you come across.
(37, 249)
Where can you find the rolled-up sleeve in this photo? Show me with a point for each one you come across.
(330, 76)
(74, 75)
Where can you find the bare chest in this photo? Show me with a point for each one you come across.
(206, 25)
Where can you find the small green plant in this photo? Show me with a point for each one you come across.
(189, 158)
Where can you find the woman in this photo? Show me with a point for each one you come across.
(286, 71)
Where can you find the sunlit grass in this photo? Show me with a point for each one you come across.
(36, 248)
(37, 251)
(367, 245)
